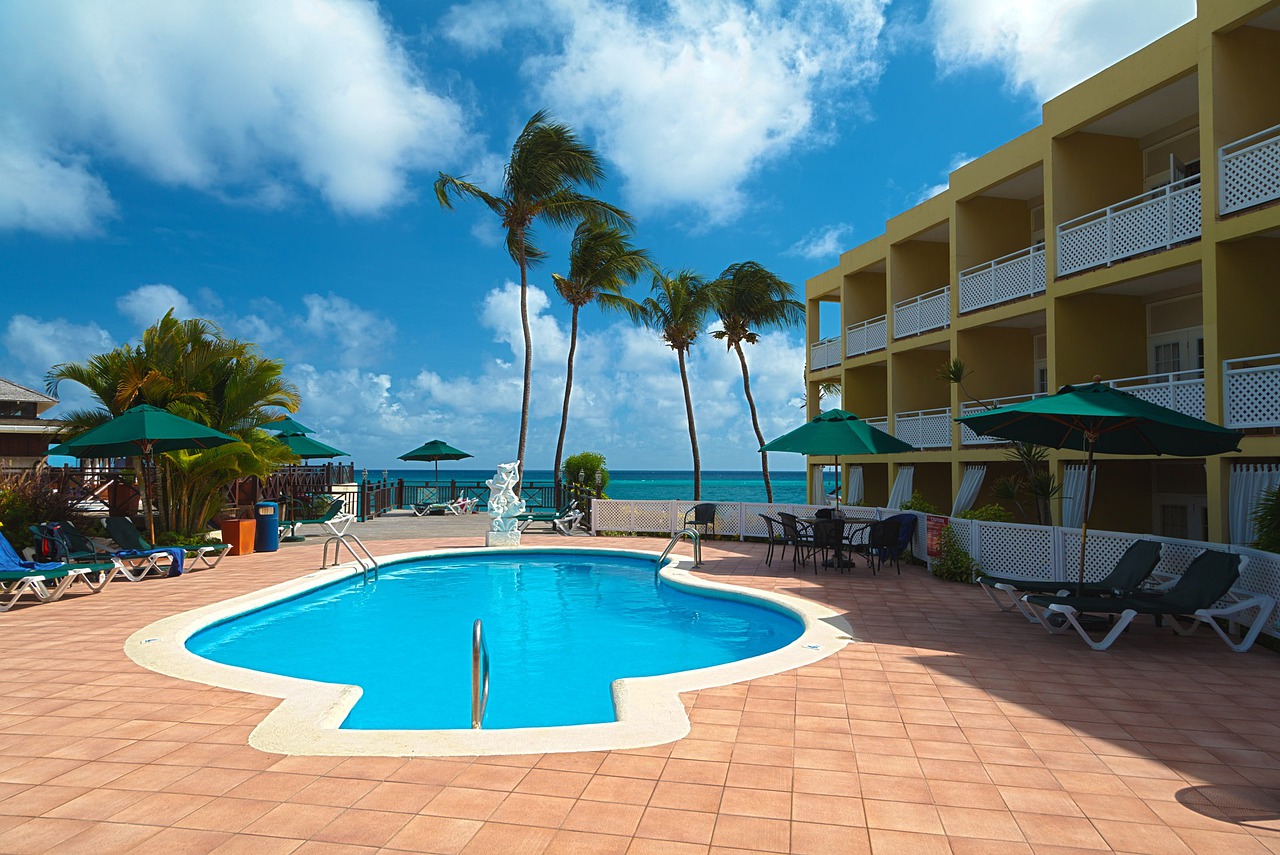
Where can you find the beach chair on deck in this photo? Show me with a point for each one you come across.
(552, 518)
(1132, 569)
(458, 507)
(1196, 594)
(127, 536)
(333, 519)
(47, 581)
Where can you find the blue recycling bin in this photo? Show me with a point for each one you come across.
(266, 538)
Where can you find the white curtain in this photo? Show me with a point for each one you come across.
(819, 486)
(901, 491)
(1248, 482)
(855, 485)
(1073, 494)
(970, 484)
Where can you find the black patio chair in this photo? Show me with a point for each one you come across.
(777, 535)
(882, 540)
(703, 515)
(799, 535)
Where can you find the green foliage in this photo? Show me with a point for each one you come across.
(588, 463)
(954, 564)
(918, 502)
(987, 513)
(24, 502)
(1266, 520)
(178, 538)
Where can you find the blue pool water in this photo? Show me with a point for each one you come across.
(560, 627)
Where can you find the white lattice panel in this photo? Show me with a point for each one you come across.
(1139, 229)
(1083, 246)
(1262, 575)
(1250, 176)
(924, 430)
(1185, 396)
(921, 314)
(906, 320)
(1020, 277)
(824, 354)
(1253, 397)
(1184, 215)
(727, 516)
(1020, 551)
(977, 289)
(866, 337)
(935, 312)
(1102, 551)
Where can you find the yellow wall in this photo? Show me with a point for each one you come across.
(1001, 360)
(915, 380)
(1099, 334)
(864, 296)
(1247, 273)
(866, 391)
(1246, 98)
(988, 228)
(933, 482)
(917, 267)
(1092, 171)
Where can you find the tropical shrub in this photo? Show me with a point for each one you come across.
(918, 502)
(588, 463)
(954, 563)
(25, 502)
(987, 513)
(1266, 521)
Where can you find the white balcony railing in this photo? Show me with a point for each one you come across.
(931, 311)
(867, 336)
(968, 437)
(924, 428)
(1181, 390)
(1155, 220)
(881, 423)
(824, 354)
(1249, 171)
(1018, 274)
(1251, 392)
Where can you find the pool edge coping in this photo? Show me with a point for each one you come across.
(306, 722)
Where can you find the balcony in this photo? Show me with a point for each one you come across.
(931, 311)
(968, 437)
(1153, 221)
(1181, 390)
(1010, 277)
(867, 336)
(1249, 171)
(824, 354)
(881, 423)
(1251, 392)
(924, 428)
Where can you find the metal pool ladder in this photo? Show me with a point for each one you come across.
(479, 675)
(346, 540)
(675, 538)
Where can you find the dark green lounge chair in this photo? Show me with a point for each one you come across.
(331, 519)
(557, 520)
(1207, 581)
(127, 536)
(1130, 571)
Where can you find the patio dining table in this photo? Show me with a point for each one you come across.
(853, 528)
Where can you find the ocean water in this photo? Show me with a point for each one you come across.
(717, 485)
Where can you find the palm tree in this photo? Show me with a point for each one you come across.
(678, 313)
(601, 264)
(747, 296)
(540, 183)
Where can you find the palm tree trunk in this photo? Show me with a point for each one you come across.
(693, 431)
(755, 421)
(528, 361)
(564, 413)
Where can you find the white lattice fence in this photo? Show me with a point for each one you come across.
(1252, 392)
(929, 311)
(1022, 551)
(866, 336)
(1250, 171)
(1018, 274)
(924, 429)
(824, 354)
(1183, 391)
(1155, 220)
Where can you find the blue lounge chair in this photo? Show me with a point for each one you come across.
(45, 581)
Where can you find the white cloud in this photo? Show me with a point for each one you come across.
(34, 345)
(822, 243)
(957, 160)
(239, 99)
(1048, 47)
(691, 98)
(147, 304)
(339, 327)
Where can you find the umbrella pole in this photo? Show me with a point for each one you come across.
(146, 497)
(1088, 506)
(837, 480)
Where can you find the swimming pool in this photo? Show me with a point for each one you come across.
(309, 718)
(560, 630)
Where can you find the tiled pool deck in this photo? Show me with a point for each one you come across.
(951, 728)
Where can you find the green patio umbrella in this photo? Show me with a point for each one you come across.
(307, 448)
(837, 433)
(1098, 418)
(287, 427)
(435, 451)
(143, 431)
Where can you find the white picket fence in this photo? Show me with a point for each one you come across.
(1049, 553)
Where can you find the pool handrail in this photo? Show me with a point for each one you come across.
(345, 540)
(694, 536)
(479, 675)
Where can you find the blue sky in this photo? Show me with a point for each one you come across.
(269, 166)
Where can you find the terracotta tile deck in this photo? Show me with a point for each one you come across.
(951, 728)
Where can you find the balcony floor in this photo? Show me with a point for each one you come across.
(951, 727)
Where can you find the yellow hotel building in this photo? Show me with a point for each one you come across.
(1135, 234)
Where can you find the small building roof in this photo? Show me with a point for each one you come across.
(10, 391)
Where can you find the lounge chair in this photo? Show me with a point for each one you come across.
(1130, 571)
(127, 536)
(333, 519)
(458, 507)
(551, 518)
(19, 578)
(1207, 581)
(61, 541)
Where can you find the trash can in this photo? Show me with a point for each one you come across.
(238, 534)
(267, 536)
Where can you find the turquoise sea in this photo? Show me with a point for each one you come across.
(717, 485)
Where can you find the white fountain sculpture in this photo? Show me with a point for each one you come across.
(504, 506)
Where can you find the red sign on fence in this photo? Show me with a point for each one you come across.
(933, 527)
